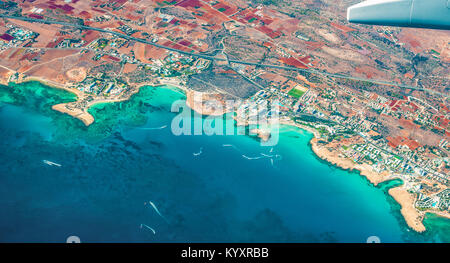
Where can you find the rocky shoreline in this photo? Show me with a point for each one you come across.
(412, 216)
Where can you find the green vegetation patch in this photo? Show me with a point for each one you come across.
(296, 93)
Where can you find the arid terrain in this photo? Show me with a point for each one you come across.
(377, 97)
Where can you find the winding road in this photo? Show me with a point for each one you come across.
(212, 58)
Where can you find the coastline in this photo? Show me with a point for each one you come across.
(52, 84)
(332, 157)
(84, 116)
(412, 216)
(82, 113)
(70, 107)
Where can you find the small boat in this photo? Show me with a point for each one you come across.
(51, 163)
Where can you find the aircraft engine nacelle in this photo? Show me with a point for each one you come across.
(406, 13)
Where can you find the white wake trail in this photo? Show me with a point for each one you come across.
(47, 162)
(151, 229)
(230, 145)
(251, 158)
(156, 128)
(200, 152)
(157, 211)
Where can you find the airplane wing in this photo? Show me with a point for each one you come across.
(405, 13)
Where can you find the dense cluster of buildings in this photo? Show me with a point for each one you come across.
(402, 134)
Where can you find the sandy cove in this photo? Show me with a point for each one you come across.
(303, 127)
(53, 84)
(194, 100)
(66, 108)
(412, 216)
(82, 114)
(71, 108)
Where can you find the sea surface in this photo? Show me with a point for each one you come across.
(127, 175)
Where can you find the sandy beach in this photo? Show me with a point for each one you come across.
(412, 216)
(53, 84)
(67, 108)
(88, 119)
(303, 127)
(84, 116)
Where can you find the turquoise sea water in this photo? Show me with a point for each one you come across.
(204, 187)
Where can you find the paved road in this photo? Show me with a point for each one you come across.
(212, 58)
(33, 20)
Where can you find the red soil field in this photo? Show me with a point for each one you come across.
(293, 62)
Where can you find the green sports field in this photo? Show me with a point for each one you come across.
(296, 93)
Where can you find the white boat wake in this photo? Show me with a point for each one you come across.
(156, 128)
(149, 228)
(251, 158)
(231, 146)
(200, 152)
(272, 157)
(47, 162)
(157, 211)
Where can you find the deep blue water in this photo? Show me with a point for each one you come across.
(111, 170)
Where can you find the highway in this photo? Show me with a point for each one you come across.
(212, 58)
